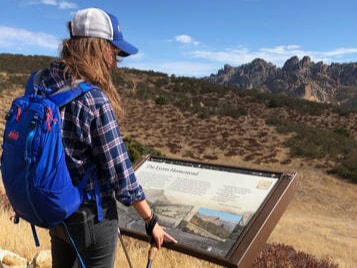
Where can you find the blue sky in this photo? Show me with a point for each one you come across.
(222, 215)
(195, 37)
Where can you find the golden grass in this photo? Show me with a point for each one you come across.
(322, 218)
(18, 239)
(138, 252)
(318, 235)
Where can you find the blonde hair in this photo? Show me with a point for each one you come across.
(83, 59)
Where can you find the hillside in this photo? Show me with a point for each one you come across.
(196, 120)
(335, 83)
(322, 131)
(247, 124)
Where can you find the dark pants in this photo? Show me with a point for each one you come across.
(96, 241)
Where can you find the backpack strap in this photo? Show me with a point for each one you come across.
(74, 245)
(32, 81)
(65, 97)
(35, 236)
(95, 195)
(98, 200)
(30, 84)
(61, 99)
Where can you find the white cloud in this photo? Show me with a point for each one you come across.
(67, 5)
(186, 39)
(49, 2)
(58, 3)
(17, 37)
(277, 55)
(341, 51)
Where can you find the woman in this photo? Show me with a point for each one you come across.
(92, 141)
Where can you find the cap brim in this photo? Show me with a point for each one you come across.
(126, 49)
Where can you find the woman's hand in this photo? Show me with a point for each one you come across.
(159, 235)
(153, 228)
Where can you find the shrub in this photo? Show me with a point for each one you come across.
(279, 100)
(160, 82)
(274, 121)
(348, 167)
(280, 255)
(202, 114)
(232, 111)
(343, 111)
(273, 103)
(17, 63)
(143, 92)
(310, 142)
(342, 131)
(117, 79)
(137, 150)
(161, 101)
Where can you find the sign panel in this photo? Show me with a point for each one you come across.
(205, 207)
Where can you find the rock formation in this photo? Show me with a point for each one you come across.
(299, 78)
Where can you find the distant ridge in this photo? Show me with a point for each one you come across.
(334, 83)
(17, 63)
(299, 78)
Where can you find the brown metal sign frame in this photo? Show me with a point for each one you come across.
(254, 235)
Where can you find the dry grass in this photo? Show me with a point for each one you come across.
(138, 251)
(318, 235)
(18, 239)
(322, 218)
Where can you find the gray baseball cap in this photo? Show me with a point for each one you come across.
(94, 22)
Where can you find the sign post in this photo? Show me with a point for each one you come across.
(218, 213)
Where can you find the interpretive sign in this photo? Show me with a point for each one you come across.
(219, 213)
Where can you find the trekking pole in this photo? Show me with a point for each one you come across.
(126, 253)
(152, 254)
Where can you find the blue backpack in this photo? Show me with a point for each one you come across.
(33, 165)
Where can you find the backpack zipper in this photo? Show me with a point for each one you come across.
(18, 113)
(49, 118)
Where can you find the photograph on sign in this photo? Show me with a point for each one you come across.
(205, 207)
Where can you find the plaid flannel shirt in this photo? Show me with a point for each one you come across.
(91, 137)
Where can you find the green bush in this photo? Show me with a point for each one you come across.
(161, 101)
(144, 92)
(137, 150)
(311, 143)
(17, 63)
(343, 111)
(118, 79)
(273, 103)
(232, 111)
(202, 114)
(342, 131)
(160, 82)
(348, 167)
